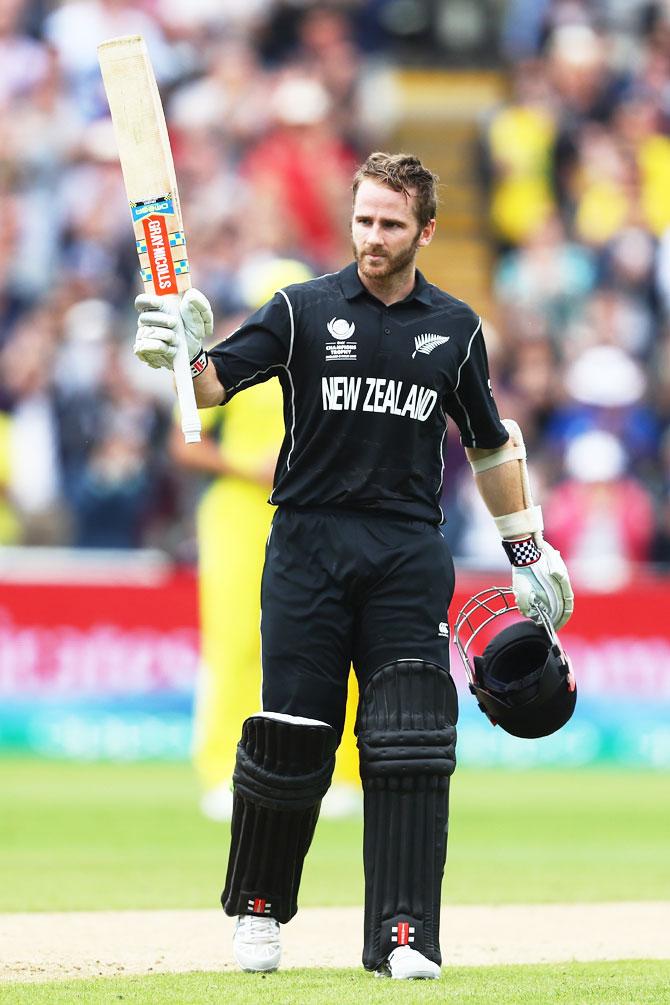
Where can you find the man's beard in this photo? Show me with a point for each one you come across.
(392, 264)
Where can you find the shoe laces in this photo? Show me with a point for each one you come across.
(255, 929)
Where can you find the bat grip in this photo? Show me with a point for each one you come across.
(190, 419)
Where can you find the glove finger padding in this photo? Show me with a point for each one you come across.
(157, 319)
(525, 591)
(156, 338)
(544, 582)
(560, 580)
(197, 315)
(147, 302)
(155, 346)
(164, 320)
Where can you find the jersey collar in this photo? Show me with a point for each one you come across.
(352, 286)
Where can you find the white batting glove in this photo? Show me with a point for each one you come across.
(160, 322)
(540, 576)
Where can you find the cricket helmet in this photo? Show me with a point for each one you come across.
(523, 679)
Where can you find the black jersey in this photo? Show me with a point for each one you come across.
(367, 389)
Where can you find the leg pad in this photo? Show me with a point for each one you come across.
(407, 741)
(283, 769)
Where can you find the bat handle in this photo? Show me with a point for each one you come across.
(190, 419)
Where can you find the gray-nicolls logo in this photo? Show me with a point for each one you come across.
(341, 329)
(427, 342)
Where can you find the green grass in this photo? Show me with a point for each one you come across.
(579, 835)
(632, 982)
(101, 836)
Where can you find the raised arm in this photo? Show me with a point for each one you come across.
(156, 342)
(255, 352)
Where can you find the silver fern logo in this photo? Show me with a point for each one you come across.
(427, 342)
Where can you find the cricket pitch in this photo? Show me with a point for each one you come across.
(48, 946)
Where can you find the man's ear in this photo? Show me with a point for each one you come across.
(426, 235)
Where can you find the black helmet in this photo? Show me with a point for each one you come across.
(523, 680)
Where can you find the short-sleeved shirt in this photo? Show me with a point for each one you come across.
(367, 389)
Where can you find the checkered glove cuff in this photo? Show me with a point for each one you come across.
(522, 553)
(199, 363)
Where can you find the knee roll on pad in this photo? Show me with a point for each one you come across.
(407, 744)
(283, 769)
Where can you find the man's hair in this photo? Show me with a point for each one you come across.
(403, 173)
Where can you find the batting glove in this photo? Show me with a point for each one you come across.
(540, 576)
(160, 322)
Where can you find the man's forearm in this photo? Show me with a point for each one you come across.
(208, 388)
(500, 487)
(502, 479)
(539, 575)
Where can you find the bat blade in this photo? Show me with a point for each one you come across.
(151, 186)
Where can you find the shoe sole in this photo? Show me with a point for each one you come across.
(416, 977)
(408, 977)
(252, 968)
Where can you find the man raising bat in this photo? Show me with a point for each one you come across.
(371, 360)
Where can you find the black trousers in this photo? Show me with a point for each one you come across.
(342, 588)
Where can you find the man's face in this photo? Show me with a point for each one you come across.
(385, 231)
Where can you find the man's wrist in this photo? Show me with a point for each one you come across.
(521, 523)
(523, 552)
(199, 363)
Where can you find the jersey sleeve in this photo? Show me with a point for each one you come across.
(471, 404)
(257, 350)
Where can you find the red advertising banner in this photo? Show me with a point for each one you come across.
(95, 638)
(88, 638)
(107, 669)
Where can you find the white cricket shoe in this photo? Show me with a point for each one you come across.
(406, 964)
(256, 943)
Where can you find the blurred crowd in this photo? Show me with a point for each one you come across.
(577, 165)
(270, 104)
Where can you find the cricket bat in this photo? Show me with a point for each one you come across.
(151, 187)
